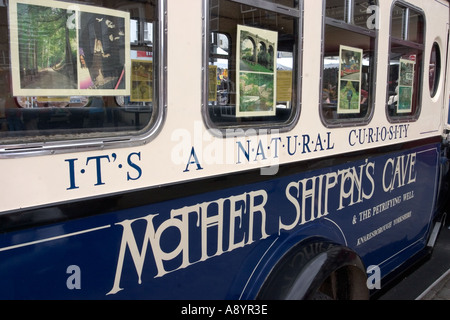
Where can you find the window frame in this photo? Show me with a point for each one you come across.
(237, 128)
(412, 45)
(349, 26)
(64, 144)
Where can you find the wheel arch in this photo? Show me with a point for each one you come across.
(307, 267)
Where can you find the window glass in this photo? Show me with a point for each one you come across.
(348, 73)
(252, 65)
(407, 24)
(364, 13)
(404, 80)
(435, 69)
(397, 22)
(337, 9)
(356, 12)
(416, 27)
(406, 66)
(76, 71)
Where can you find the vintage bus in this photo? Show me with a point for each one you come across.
(219, 149)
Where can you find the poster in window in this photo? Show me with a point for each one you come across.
(350, 73)
(141, 81)
(256, 72)
(405, 86)
(284, 86)
(64, 49)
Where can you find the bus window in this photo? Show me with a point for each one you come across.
(405, 64)
(65, 82)
(253, 64)
(435, 69)
(348, 65)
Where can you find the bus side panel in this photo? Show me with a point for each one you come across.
(222, 244)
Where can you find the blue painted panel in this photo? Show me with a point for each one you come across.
(222, 244)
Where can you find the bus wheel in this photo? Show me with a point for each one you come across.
(317, 271)
(347, 283)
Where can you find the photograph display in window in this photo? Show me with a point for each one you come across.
(66, 49)
(256, 74)
(405, 86)
(350, 71)
(141, 81)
